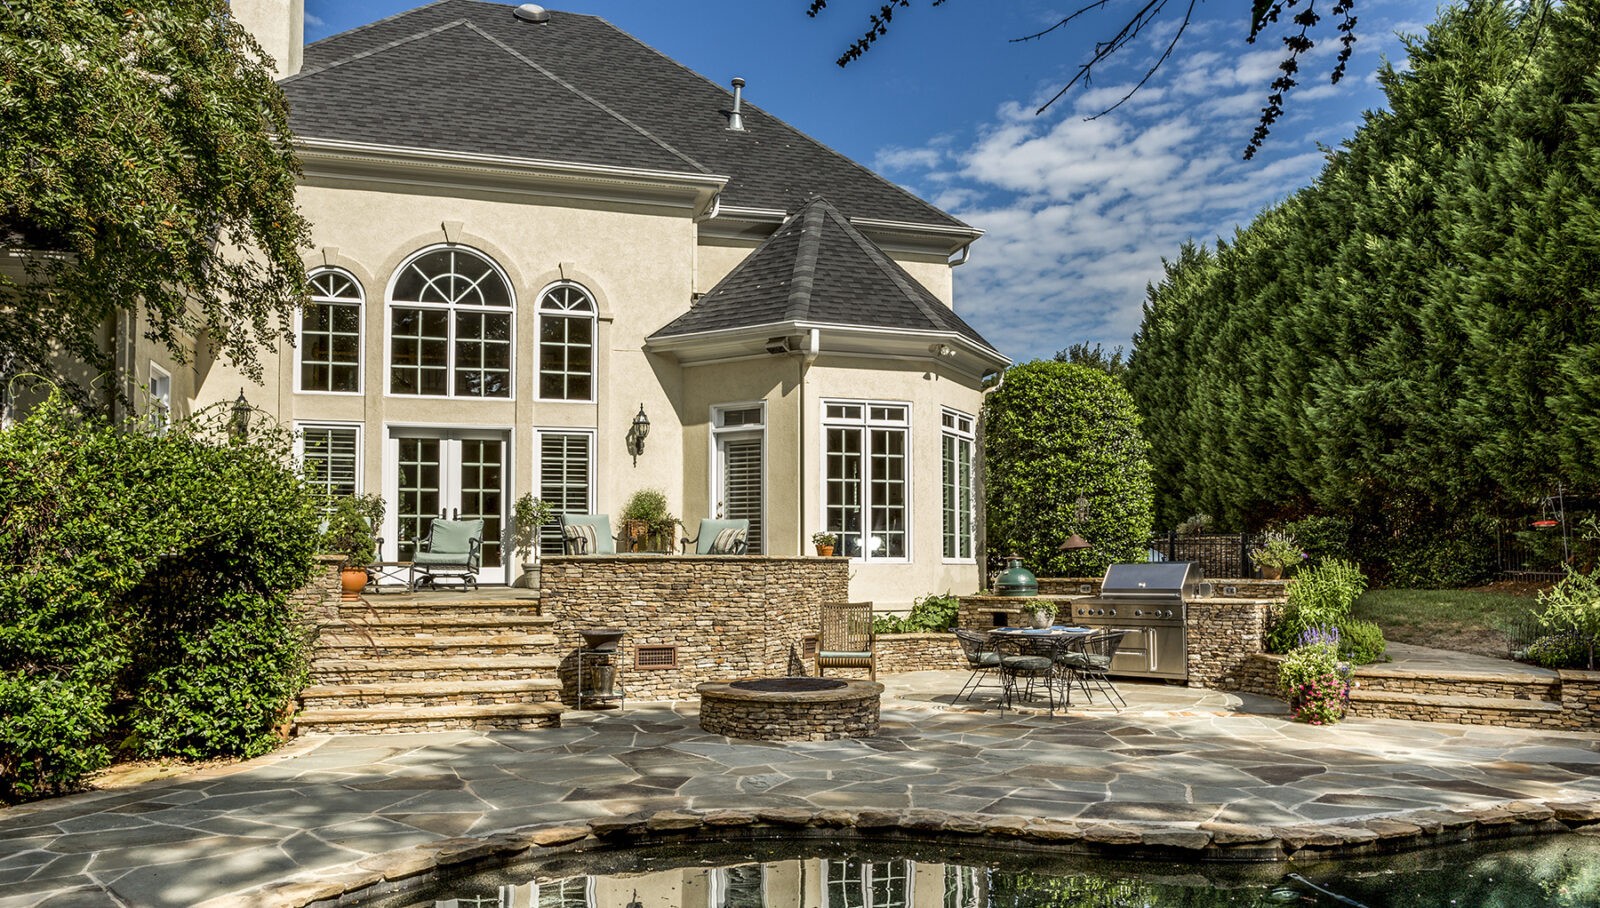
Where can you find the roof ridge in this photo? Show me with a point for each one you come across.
(935, 311)
(590, 98)
(779, 121)
(371, 52)
(805, 262)
(374, 23)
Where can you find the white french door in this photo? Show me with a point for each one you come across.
(460, 474)
(739, 491)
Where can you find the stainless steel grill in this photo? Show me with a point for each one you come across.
(1147, 601)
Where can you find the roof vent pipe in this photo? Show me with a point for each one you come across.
(735, 119)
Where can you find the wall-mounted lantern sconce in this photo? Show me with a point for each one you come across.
(239, 421)
(637, 433)
(1076, 543)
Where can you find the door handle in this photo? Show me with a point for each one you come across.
(455, 513)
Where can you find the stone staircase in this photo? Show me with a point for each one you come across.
(392, 663)
(1518, 697)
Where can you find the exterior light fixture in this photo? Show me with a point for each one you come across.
(239, 422)
(636, 434)
(1076, 543)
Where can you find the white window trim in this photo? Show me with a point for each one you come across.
(711, 460)
(361, 339)
(594, 343)
(970, 436)
(361, 452)
(450, 368)
(160, 423)
(866, 424)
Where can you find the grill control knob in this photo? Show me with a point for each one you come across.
(1113, 613)
(1138, 613)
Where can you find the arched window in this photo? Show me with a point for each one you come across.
(566, 343)
(450, 326)
(330, 333)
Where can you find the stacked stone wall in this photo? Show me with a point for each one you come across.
(918, 653)
(318, 601)
(728, 617)
(978, 613)
(1225, 587)
(1222, 636)
(1580, 695)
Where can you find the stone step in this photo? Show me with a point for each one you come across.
(360, 647)
(1510, 712)
(399, 720)
(437, 624)
(430, 693)
(436, 667)
(1500, 685)
(398, 604)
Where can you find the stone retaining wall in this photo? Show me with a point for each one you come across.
(726, 617)
(918, 653)
(982, 613)
(1222, 636)
(318, 600)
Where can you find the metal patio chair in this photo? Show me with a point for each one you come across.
(1025, 665)
(1092, 663)
(720, 537)
(586, 534)
(845, 640)
(981, 658)
(452, 548)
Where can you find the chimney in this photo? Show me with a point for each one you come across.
(736, 119)
(279, 26)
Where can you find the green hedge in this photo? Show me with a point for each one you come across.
(144, 608)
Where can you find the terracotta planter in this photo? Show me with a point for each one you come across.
(351, 582)
(825, 551)
(1271, 573)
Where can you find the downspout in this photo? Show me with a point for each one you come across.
(813, 347)
(980, 491)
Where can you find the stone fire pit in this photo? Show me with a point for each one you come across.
(790, 709)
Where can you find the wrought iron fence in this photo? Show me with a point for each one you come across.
(1219, 555)
(1524, 554)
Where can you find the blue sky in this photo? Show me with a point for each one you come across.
(1079, 212)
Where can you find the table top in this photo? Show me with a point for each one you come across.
(1059, 630)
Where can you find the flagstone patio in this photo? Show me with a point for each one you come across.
(1178, 757)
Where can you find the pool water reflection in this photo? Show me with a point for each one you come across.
(1562, 871)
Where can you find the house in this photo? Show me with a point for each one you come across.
(535, 237)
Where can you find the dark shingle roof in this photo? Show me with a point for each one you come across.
(819, 268)
(468, 76)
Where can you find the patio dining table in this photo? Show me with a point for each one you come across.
(1049, 642)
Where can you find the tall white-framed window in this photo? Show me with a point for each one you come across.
(330, 456)
(956, 444)
(738, 469)
(160, 399)
(867, 884)
(867, 472)
(329, 351)
(450, 326)
(566, 343)
(565, 475)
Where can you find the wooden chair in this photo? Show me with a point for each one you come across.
(846, 638)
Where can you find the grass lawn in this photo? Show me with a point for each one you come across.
(1481, 621)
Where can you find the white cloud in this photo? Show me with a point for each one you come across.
(314, 21)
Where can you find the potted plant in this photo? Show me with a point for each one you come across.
(346, 532)
(824, 543)
(1041, 613)
(1277, 553)
(1317, 684)
(528, 514)
(646, 522)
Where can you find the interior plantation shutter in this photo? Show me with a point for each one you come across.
(330, 455)
(741, 487)
(563, 481)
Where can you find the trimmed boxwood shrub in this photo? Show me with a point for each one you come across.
(145, 606)
(1054, 432)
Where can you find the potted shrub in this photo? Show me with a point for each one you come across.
(1041, 613)
(1276, 554)
(824, 543)
(346, 532)
(646, 522)
(528, 514)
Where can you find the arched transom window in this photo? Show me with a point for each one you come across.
(566, 343)
(450, 326)
(330, 334)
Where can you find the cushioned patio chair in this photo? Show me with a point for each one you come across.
(586, 534)
(720, 537)
(452, 548)
(845, 640)
(981, 658)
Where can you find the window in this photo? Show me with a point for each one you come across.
(330, 334)
(450, 326)
(565, 470)
(566, 344)
(330, 455)
(738, 479)
(160, 399)
(860, 884)
(737, 887)
(956, 443)
(866, 470)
